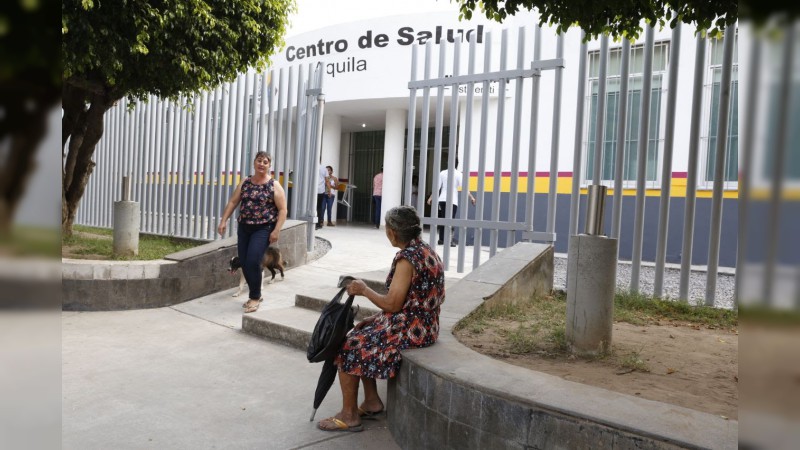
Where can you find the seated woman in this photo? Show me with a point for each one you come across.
(409, 318)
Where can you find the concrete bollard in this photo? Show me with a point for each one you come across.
(127, 221)
(591, 284)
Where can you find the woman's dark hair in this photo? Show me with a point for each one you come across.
(263, 154)
(329, 168)
(404, 221)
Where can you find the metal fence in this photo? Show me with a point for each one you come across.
(525, 79)
(185, 158)
(525, 76)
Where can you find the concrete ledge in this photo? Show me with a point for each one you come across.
(449, 396)
(120, 285)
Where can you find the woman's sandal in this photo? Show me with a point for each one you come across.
(253, 307)
(371, 415)
(334, 424)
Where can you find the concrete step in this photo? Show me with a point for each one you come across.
(315, 303)
(291, 326)
(375, 279)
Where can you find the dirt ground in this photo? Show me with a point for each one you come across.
(689, 365)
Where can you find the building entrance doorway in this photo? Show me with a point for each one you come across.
(367, 157)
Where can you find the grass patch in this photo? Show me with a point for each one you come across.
(639, 309)
(31, 241)
(539, 325)
(97, 243)
(633, 361)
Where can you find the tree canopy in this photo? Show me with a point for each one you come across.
(618, 18)
(167, 47)
(137, 48)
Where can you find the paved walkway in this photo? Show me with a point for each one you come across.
(187, 377)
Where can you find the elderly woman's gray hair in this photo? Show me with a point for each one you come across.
(404, 221)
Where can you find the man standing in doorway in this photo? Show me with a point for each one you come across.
(457, 181)
(322, 173)
(377, 195)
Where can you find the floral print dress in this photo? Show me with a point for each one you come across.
(258, 203)
(374, 350)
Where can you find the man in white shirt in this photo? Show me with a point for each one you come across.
(457, 186)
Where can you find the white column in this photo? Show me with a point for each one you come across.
(393, 159)
(331, 148)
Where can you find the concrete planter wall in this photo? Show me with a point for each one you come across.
(120, 285)
(449, 396)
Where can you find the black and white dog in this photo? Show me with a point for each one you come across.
(272, 261)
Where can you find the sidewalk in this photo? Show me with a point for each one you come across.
(187, 377)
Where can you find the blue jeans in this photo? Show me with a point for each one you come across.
(376, 212)
(327, 202)
(253, 241)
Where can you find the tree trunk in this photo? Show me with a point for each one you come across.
(17, 167)
(79, 165)
(26, 101)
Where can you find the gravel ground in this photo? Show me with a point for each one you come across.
(697, 279)
(321, 246)
(697, 282)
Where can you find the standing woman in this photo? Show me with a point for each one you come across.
(331, 188)
(261, 217)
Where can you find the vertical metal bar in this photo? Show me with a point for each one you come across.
(619, 153)
(180, 169)
(199, 185)
(278, 161)
(692, 171)
(411, 132)
(641, 170)
(745, 168)
(186, 172)
(513, 192)
(556, 133)
(453, 155)
(239, 105)
(534, 132)
(308, 175)
(666, 168)
(212, 170)
(288, 147)
(141, 150)
(252, 110)
(230, 149)
(177, 167)
(498, 147)
(437, 156)
(136, 154)
(169, 118)
(423, 139)
(192, 173)
(298, 142)
(163, 135)
(262, 131)
(466, 165)
(600, 125)
(271, 117)
(782, 149)
(719, 165)
(480, 195)
(214, 180)
(152, 154)
(207, 121)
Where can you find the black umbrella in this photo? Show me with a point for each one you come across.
(330, 331)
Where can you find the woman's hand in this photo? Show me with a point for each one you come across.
(222, 227)
(274, 236)
(356, 287)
